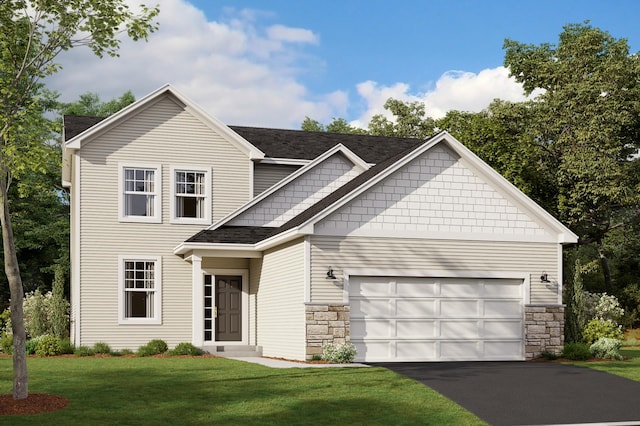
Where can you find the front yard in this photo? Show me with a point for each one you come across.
(137, 391)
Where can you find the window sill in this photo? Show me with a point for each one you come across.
(141, 219)
(140, 321)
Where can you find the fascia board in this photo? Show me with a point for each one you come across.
(185, 247)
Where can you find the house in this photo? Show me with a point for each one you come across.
(189, 230)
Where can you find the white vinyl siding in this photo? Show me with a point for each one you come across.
(267, 175)
(280, 301)
(168, 135)
(381, 254)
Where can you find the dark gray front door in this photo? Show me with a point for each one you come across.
(228, 303)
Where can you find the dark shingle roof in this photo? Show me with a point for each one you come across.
(248, 234)
(296, 144)
(76, 124)
(233, 234)
(299, 144)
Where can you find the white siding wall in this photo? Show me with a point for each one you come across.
(168, 135)
(280, 301)
(429, 255)
(300, 194)
(267, 175)
(434, 194)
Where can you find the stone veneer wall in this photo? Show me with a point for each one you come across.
(543, 330)
(326, 324)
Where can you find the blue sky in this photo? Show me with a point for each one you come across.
(272, 63)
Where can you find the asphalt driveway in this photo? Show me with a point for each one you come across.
(530, 393)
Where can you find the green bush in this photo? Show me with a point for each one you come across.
(340, 353)
(185, 349)
(597, 329)
(576, 351)
(6, 343)
(48, 345)
(606, 348)
(84, 351)
(154, 347)
(66, 346)
(101, 348)
(31, 344)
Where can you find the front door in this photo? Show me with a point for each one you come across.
(223, 308)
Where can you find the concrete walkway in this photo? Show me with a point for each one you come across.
(530, 393)
(279, 363)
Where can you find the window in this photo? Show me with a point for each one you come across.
(140, 290)
(191, 202)
(140, 189)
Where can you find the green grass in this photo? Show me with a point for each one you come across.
(629, 368)
(137, 391)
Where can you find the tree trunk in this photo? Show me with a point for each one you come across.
(12, 270)
(604, 263)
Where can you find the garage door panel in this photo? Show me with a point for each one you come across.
(433, 319)
(459, 329)
(372, 328)
(415, 308)
(502, 329)
(415, 350)
(415, 287)
(364, 308)
(458, 308)
(416, 329)
(503, 308)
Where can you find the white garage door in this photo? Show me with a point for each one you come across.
(436, 319)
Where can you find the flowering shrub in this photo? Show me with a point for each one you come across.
(597, 329)
(342, 353)
(606, 348)
(48, 345)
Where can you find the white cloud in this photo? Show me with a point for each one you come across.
(454, 90)
(245, 69)
(237, 69)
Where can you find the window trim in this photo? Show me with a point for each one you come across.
(157, 286)
(206, 220)
(157, 182)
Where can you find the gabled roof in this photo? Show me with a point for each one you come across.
(302, 224)
(75, 139)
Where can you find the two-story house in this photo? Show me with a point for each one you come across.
(189, 230)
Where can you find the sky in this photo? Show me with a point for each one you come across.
(273, 63)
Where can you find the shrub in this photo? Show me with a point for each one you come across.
(6, 342)
(46, 314)
(48, 345)
(30, 346)
(84, 351)
(549, 355)
(606, 348)
(154, 347)
(597, 328)
(66, 346)
(576, 351)
(185, 349)
(101, 348)
(339, 353)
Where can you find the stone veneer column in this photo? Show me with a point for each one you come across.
(543, 329)
(326, 323)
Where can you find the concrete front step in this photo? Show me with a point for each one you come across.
(233, 351)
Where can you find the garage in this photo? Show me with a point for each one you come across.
(436, 319)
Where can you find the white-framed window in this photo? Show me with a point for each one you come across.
(140, 193)
(191, 195)
(140, 298)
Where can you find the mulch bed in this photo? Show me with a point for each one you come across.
(35, 403)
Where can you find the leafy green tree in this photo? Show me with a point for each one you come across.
(91, 105)
(587, 121)
(337, 125)
(410, 121)
(32, 34)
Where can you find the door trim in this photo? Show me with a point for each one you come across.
(244, 273)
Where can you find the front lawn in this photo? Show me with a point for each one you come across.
(136, 391)
(629, 368)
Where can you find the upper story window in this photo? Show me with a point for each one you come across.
(140, 193)
(191, 195)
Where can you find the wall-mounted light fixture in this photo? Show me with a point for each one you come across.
(544, 278)
(330, 275)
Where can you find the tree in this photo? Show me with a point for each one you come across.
(410, 121)
(32, 34)
(337, 125)
(587, 121)
(91, 105)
